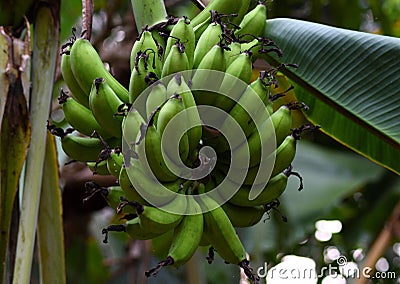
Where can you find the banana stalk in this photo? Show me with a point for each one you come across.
(148, 12)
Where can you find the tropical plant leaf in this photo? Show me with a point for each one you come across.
(14, 138)
(50, 237)
(44, 59)
(351, 82)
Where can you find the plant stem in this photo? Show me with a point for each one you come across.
(45, 53)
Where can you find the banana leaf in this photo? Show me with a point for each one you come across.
(349, 79)
(14, 137)
(44, 59)
(50, 237)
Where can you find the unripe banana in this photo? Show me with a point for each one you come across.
(160, 245)
(80, 117)
(131, 127)
(284, 154)
(243, 216)
(213, 60)
(220, 232)
(253, 22)
(186, 239)
(223, 237)
(224, 7)
(133, 228)
(176, 60)
(260, 142)
(70, 81)
(233, 52)
(168, 111)
(210, 37)
(274, 188)
(241, 68)
(177, 85)
(86, 66)
(82, 149)
(159, 194)
(182, 31)
(130, 192)
(157, 96)
(150, 153)
(147, 43)
(104, 104)
(115, 162)
(249, 106)
(142, 75)
(158, 220)
(98, 168)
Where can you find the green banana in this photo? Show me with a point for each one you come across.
(253, 22)
(249, 106)
(146, 42)
(80, 117)
(104, 104)
(158, 220)
(133, 228)
(173, 107)
(183, 32)
(213, 60)
(72, 84)
(233, 52)
(141, 76)
(115, 162)
(284, 154)
(83, 149)
(241, 68)
(176, 60)
(177, 85)
(274, 188)
(160, 245)
(150, 188)
(210, 37)
(99, 168)
(150, 153)
(243, 216)
(260, 143)
(222, 236)
(86, 66)
(186, 239)
(223, 7)
(131, 127)
(157, 96)
(126, 185)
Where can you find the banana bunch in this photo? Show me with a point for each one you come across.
(190, 91)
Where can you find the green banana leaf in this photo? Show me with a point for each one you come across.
(350, 80)
(14, 139)
(50, 237)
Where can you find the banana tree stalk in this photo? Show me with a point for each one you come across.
(45, 52)
(148, 12)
